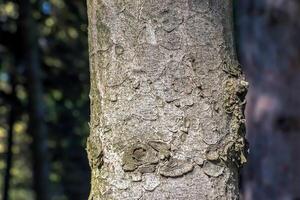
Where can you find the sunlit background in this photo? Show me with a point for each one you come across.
(59, 29)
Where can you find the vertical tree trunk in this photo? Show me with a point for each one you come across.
(10, 135)
(270, 53)
(29, 55)
(166, 100)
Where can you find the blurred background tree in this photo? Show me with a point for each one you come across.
(44, 106)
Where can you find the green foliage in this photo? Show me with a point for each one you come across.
(64, 62)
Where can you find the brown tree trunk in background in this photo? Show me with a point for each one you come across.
(37, 129)
(75, 175)
(10, 135)
(166, 100)
(269, 33)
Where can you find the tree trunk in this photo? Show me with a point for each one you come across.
(166, 100)
(270, 52)
(11, 119)
(29, 56)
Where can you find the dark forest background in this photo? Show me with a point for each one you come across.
(44, 105)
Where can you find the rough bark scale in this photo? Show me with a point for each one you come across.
(270, 50)
(166, 100)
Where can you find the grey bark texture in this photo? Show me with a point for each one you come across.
(270, 54)
(166, 100)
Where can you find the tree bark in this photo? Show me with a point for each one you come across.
(270, 51)
(166, 100)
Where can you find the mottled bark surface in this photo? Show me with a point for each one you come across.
(166, 100)
(270, 53)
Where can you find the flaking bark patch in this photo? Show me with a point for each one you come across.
(213, 169)
(139, 155)
(234, 149)
(176, 168)
(95, 153)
